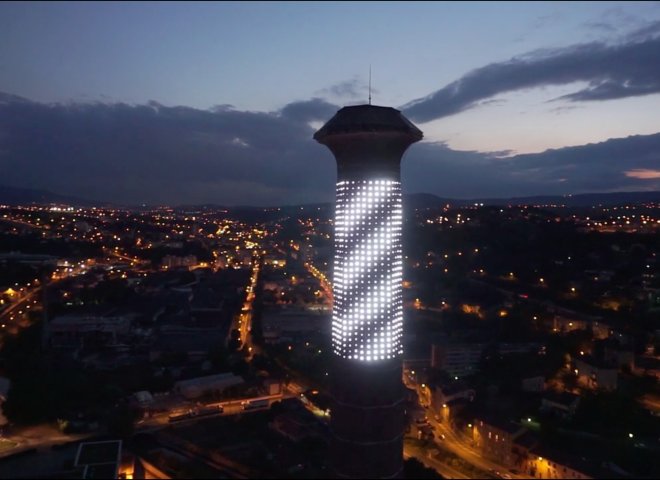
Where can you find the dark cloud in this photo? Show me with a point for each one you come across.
(157, 154)
(352, 89)
(307, 111)
(130, 154)
(626, 69)
(600, 167)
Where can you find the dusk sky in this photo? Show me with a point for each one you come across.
(217, 102)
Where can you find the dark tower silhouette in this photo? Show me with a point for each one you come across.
(367, 419)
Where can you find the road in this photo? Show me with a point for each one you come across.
(11, 316)
(427, 458)
(38, 436)
(245, 317)
(326, 285)
(458, 445)
(448, 439)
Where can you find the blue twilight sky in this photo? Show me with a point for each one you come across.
(489, 83)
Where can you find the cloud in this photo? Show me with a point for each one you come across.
(602, 27)
(352, 89)
(151, 153)
(643, 173)
(563, 109)
(594, 167)
(316, 109)
(600, 167)
(132, 154)
(629, 68)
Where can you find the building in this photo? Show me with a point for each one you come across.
(457, 360)
(28, 259)
(368, 395)
(535, 383)
(5, 384)
(494, 438)
(197, 387)
(544, 463)
(292, 324)
(563, 404)
(565, 324)
(99, 459)
(443, 394)
(88, 330)
(172, 261)
(595, 374)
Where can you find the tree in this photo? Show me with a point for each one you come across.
(413, 468)
(121, 420)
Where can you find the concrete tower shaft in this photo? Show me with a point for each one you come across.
(367, 326)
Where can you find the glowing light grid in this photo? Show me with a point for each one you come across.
(367, 322)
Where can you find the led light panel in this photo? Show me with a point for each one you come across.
(367, 322)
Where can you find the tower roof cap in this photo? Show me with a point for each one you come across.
(368, 118)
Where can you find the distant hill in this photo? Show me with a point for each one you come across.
(579, 200)
(27, 196)
(428, 200)
(424, 200)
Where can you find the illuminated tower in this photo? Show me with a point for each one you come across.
(367, 420)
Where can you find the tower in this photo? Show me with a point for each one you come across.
(367, 420)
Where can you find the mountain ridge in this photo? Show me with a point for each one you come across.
(25, 196)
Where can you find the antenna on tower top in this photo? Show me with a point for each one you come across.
(370, 84)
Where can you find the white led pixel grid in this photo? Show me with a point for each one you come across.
(367, 322)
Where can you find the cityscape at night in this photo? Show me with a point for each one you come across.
(442, 262)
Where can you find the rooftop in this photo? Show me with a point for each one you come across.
(367, 118)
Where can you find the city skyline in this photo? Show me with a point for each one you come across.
(330, 240)
(208, 104)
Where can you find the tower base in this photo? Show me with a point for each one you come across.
(367, 420)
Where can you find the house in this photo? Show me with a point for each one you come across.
(544, 462)
(534, 383)
(563, 404)
(596, 374)
(648, 365)
(564, 324)
(617, 355)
